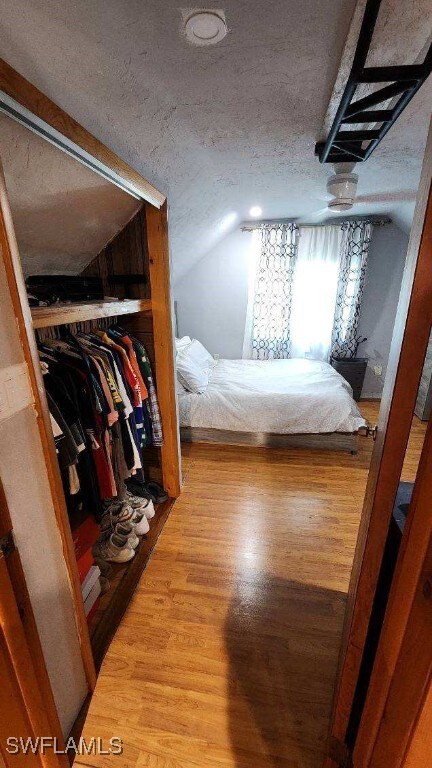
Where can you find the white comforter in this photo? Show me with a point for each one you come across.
(280, 396)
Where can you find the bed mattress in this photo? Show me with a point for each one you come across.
(295, 396)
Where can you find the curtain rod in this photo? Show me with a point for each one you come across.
(379, 221)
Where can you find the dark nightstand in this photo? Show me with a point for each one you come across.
(353, 370)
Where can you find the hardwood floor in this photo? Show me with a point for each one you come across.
(226, 657)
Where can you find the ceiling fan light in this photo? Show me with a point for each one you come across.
(342, 187)
(340, 204)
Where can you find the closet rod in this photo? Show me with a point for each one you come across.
(380, 221)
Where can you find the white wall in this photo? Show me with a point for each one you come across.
(212, 298)
(383, 282)
(25, 482)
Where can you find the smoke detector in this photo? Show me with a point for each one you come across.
(342, 186)
(205, 26)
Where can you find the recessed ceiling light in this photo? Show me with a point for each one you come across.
(205, 26)
(255, 211)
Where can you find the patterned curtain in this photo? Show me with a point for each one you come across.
(356, 237)
(269, 336)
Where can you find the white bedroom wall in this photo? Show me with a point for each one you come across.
(212, 298)
(383, 281)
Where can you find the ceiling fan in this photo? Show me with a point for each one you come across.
(342, 187)
(342, 193)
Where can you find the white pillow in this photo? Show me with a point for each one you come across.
(183, 343)
(193, 377)
(199, 354)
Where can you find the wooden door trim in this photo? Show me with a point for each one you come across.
(21, 666)
(410, 673)
(61, 129)
(16, 575)
(419, 749)
(400, 612)
(409, 344)
(159, 269)
(16, 284)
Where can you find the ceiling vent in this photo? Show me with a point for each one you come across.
(205, 26)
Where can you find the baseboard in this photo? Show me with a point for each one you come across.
(371, 396)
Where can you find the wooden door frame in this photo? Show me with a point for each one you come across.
(17, 578)
(37, 687)
(408, 349)
(419, 748)
(159, 269)
(402, 669)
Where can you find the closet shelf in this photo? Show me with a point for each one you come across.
(60, 314)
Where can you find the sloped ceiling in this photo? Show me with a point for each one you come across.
(220, 128)
(63, 213)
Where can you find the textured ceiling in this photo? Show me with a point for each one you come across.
(216, 128)
(63, 213)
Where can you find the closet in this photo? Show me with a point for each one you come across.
(109, 224)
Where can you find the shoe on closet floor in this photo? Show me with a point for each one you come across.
(150, 490)
(121, 513)
(113, 549)
(113, 522)
(104, 567)
(134, 517)
(144, 506)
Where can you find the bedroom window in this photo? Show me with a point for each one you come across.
(305, 290)
(314, 291)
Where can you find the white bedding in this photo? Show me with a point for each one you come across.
(280, 396)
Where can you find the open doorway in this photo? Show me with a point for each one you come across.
(228, 653)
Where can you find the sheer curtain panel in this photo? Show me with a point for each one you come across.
(314, 292)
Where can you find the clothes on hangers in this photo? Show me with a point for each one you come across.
(103, 401)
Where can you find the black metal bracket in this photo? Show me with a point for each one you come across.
(354, 146)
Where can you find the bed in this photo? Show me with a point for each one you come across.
(293, 403)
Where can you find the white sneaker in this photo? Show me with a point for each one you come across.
(113, 550)
(144, 506)
(125, 514)
(113, 521)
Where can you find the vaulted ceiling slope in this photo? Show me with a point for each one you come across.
(63, 213)
(216, 128)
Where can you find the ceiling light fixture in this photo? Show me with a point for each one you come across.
(205, 26)
(255, 212)
(342, 186)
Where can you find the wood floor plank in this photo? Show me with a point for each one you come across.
(227, 654)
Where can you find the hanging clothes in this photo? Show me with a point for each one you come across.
(104, 410)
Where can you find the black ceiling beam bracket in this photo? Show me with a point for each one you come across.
(369, 116)
(404, 81)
